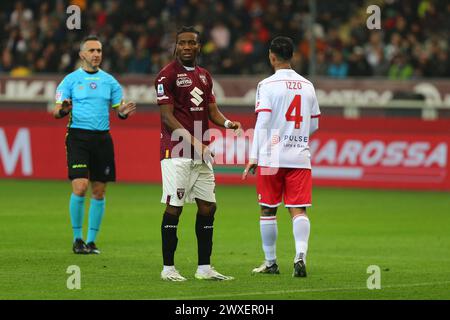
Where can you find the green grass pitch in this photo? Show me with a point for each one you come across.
(406, 234)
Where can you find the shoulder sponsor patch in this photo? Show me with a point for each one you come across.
(160, 90)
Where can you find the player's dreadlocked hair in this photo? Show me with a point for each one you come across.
(184, 29)
(282, 47)
(187, 29)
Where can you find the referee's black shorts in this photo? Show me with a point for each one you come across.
(90, 154)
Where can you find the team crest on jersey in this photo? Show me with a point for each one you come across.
(184, 82)
(93, 85)
(204, 80)
(275, 139)
(180, 193)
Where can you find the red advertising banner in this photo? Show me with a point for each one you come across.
(381, 160)
(380, 153)
(38, 152)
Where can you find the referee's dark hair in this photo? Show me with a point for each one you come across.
(282, 47)
(90, 37)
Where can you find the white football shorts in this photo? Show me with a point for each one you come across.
(184, 180)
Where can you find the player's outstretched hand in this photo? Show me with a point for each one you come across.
(127, 108)
(66, 105)
(250, 167)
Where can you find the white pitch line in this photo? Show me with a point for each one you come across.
(241, 294)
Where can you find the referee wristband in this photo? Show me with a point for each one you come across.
(227, 124)
(122, 116)
(62, 113)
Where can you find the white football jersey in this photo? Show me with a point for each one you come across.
(292, 102)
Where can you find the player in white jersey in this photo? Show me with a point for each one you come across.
(288, 113)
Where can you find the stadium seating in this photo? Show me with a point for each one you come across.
(139, 36)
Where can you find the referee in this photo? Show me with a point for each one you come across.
(86, 95)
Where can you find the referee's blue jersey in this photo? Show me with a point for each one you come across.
(92, 95)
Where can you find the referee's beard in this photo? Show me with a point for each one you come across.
(92, 65)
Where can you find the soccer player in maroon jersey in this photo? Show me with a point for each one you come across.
(187, 103)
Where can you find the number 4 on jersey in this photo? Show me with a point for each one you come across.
(296, 106)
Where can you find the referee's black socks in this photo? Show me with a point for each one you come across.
(204, 231)
(169, 237)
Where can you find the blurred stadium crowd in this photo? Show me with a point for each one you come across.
(138, 35)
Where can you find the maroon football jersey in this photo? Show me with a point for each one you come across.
(190, 92)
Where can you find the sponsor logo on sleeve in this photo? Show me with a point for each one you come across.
(160, 89)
